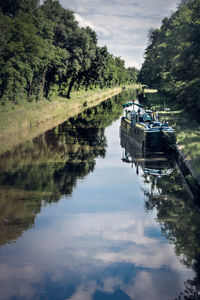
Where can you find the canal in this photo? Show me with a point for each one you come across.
(85, 215)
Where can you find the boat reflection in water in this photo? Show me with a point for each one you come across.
(157, 164)
(176, 212)
(152, 166)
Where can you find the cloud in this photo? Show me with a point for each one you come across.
(120, 22)
(84, 23)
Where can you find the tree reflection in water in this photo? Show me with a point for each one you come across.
(177, 214)
(38, 172)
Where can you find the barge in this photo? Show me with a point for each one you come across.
(143, 127)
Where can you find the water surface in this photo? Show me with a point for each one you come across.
(86, 215)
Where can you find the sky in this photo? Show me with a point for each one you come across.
(122, 25)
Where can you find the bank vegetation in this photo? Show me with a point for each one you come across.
(172, 57)
(44, 52)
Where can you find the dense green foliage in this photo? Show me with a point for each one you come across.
(172, 57)
(43, 51)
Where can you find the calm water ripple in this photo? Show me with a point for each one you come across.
(85, 215)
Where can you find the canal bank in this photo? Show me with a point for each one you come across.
(187, 148)
(189, 175)
(24, 122)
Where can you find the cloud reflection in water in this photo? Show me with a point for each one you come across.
(87, 255)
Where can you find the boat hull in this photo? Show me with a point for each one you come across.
(145, 140)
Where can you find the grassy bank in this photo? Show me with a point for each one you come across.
(188, 137)
(187, 129)
(22, 122)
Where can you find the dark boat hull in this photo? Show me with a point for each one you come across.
(147, 141)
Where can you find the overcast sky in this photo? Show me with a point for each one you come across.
(122, 25)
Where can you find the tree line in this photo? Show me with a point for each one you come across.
(43, 50)
(172, 56)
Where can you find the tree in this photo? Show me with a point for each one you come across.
(16, 7)
(43, 49)
(172, 61)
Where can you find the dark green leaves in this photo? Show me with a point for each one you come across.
(43, 49)
(172, 58)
